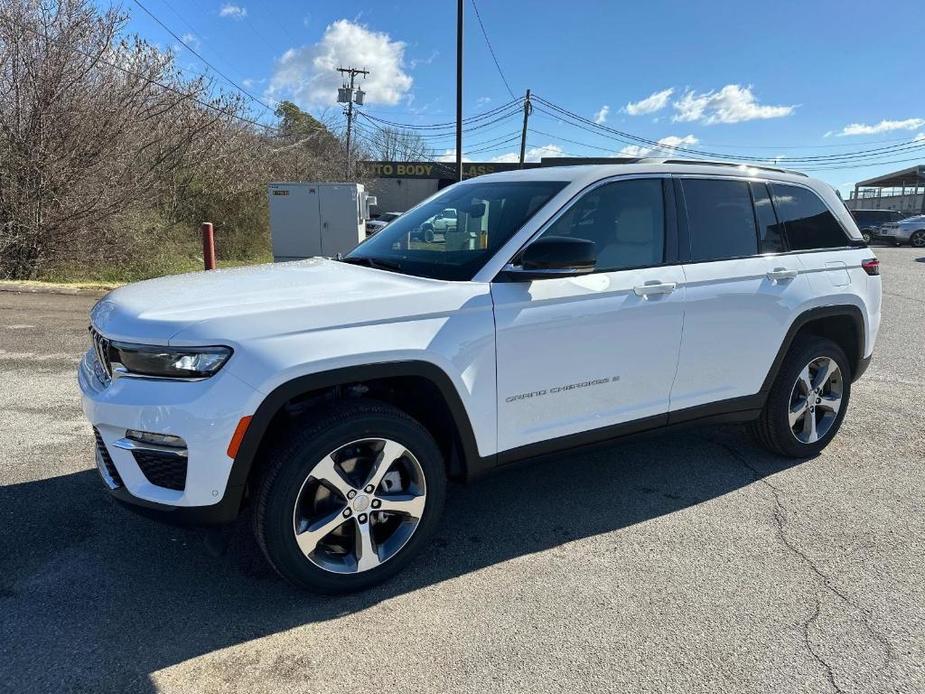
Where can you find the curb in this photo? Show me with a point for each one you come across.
(49, 288)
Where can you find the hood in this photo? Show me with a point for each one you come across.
(229, 305)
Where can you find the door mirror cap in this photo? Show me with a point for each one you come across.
(554, 256)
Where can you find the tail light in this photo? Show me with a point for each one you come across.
(871, 266)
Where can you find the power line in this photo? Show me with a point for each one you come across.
(194, 52)
(629, 138)
(492, 50)
(449, 124)
(149, 80)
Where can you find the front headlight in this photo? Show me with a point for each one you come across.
(168, 362)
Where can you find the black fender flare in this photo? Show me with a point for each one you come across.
(276, 399)
(807, 317)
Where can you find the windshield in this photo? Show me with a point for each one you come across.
(452, 236)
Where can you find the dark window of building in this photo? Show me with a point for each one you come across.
(626, 221)
(770, 231)
(720, 219)
(808, 222)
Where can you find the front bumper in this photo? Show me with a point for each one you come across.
(203, 413)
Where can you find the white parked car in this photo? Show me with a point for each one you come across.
(335, 398)
(380, 222)
(910, 230)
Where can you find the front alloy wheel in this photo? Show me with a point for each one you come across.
(815, 400)
(349, 492)
(359, 506)
(918, 239)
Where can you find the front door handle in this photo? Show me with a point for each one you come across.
(655, 288)
(781, 273)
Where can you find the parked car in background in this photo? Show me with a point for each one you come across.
(910, 230)
(374, 225)
(440, 223)
(870, 221)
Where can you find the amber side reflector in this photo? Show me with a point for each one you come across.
(238, 436)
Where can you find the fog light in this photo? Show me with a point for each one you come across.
(156, 439)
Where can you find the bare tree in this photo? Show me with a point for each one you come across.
(90, 125)
(396, 144)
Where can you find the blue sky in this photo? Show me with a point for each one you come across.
(789, 79)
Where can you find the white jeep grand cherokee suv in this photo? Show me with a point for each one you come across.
(335, 397)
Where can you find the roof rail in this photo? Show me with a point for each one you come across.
(708, 162)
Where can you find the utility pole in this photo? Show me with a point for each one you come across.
(528, 109)
(348, 96)
(459, 87)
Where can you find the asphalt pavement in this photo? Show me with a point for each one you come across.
(689, 561)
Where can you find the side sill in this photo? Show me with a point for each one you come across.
(734, 410)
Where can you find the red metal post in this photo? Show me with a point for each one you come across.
(208, 245)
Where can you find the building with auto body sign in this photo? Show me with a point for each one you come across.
(400, 185)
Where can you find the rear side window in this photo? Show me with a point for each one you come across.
(770, 231)
(808, 222)
(720, 220)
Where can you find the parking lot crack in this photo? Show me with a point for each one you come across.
(779, 516)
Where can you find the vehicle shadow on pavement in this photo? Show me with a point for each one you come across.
(95, 598)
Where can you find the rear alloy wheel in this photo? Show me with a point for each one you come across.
(346, 501)
(866, 236)
(815, 400)
(918, 238)
(808, 400)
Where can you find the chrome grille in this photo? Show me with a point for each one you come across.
(101, 349)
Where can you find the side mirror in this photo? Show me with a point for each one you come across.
(554, 256)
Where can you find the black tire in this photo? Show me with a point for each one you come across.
(429, 234)
(288, 464)
(866, 236)
(917, 239)
(772, 428)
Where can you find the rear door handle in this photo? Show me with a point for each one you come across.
(655, 288)
(781, 273)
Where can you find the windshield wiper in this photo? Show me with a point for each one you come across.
(370, 262)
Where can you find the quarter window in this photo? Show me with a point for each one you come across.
(808, 222)
(720, 220)
(770, 231)
(624, 219)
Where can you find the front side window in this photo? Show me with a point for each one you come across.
(808, 222)
(624, 219)
(720, 220)
(454, 234)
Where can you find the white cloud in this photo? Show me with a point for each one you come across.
(651, 104)
(450, 156)
(601, 116)
(233, 11)
(731, 104)
(483, 101)
(919, 137)
(666, 146)
(883, 126)
(308, 74)
(413, 64)
(532, 154)
(191, 39)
